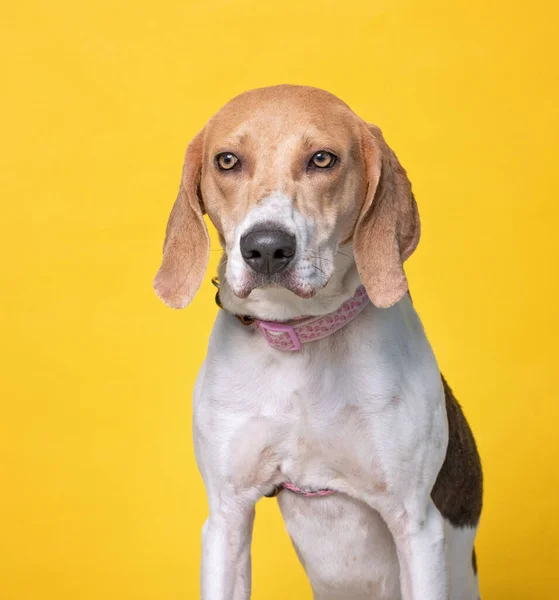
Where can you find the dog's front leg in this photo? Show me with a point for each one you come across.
(226, 540)
(418, 530)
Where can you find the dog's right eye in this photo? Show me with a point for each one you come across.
(226, 161)
(323, 159)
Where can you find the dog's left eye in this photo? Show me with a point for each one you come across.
(323, 160)
(226, 161)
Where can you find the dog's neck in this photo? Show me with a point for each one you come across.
(280, 304)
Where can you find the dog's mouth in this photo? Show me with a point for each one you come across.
(286, 281)
(301, 281)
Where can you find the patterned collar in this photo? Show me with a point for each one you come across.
(290, 336)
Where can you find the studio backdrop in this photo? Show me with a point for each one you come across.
(101, 498)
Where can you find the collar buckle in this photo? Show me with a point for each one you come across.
(280, 335)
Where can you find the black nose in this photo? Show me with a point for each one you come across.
(268, 251)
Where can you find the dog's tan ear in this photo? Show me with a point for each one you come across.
(187, 245)
(388, 229)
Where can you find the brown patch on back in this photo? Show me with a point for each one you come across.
(459, 487)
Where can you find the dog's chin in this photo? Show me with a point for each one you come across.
(302, 289)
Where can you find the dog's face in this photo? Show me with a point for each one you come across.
(283, 180)
(288, 174)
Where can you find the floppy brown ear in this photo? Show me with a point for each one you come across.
(187, 244)
(388, 229)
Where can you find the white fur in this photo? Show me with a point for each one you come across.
(361, 412)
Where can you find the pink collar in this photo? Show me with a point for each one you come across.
(290, 336)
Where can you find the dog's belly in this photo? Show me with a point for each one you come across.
(344, 546)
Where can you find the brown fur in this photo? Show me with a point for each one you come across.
(459, 487)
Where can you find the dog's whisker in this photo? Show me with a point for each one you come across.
(320, 271)
(323, 258)
(320, 258)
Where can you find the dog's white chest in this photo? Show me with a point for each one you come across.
(321, 419)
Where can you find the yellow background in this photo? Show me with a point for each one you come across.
(100, 497)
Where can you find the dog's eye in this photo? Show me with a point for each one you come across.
(323, 160)
(226, 161)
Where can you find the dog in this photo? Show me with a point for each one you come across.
(319, 385)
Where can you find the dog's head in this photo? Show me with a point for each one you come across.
(288, 175)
